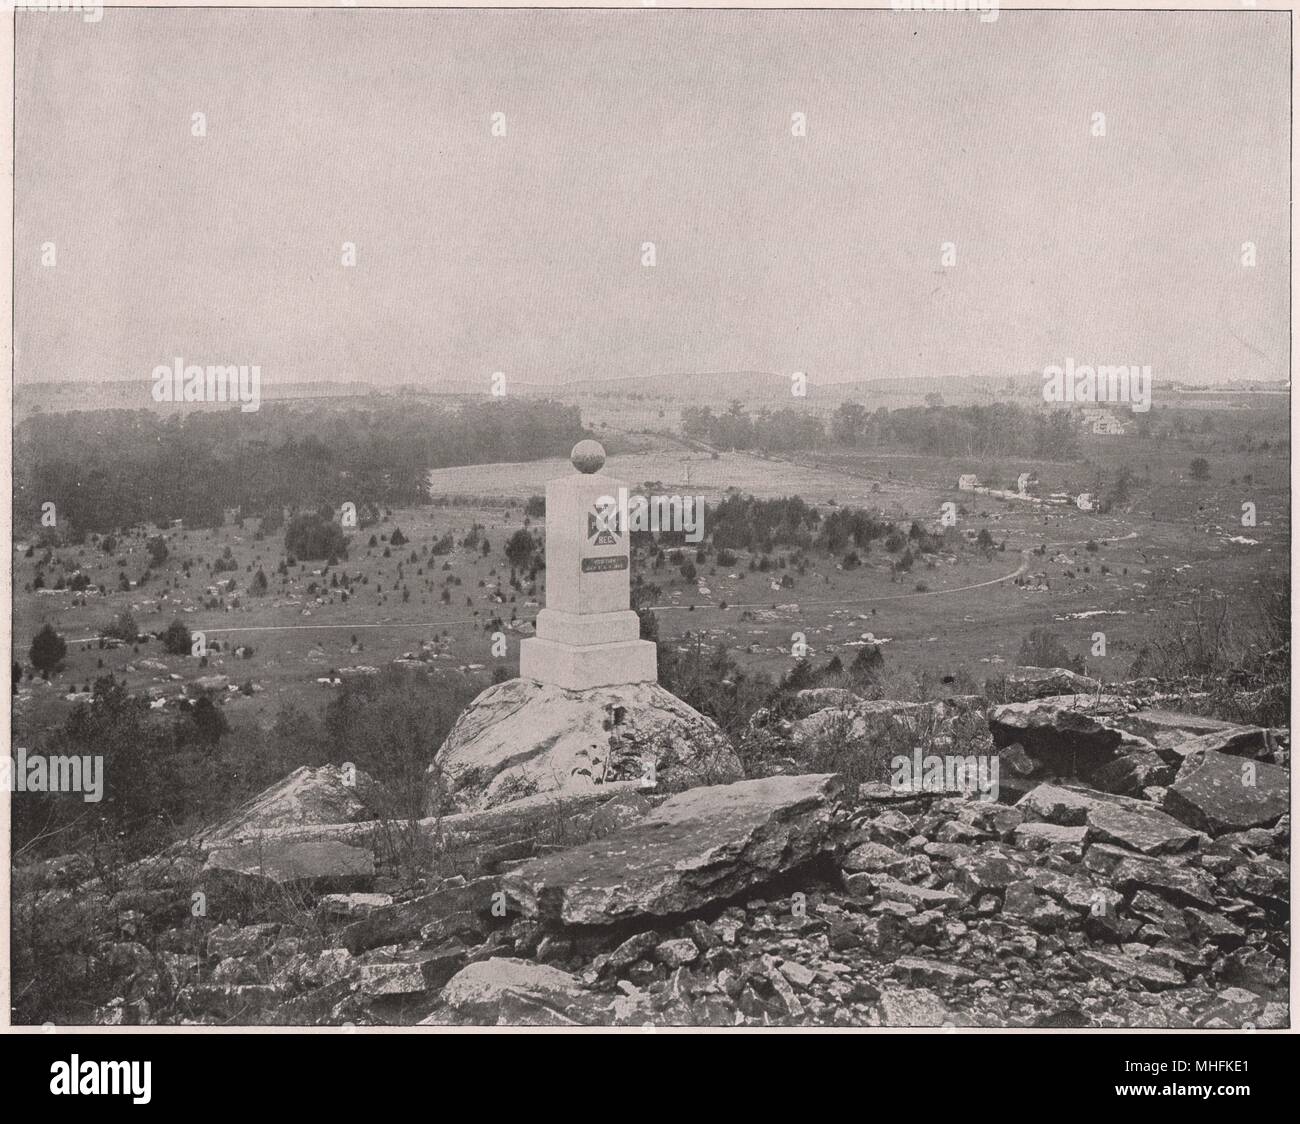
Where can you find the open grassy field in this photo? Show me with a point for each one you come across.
(962, 610)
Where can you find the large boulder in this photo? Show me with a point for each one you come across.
(1067, 741)
(701, 846)
(1218, 793)
(523, 738)
(306, 797)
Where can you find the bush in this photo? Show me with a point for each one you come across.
(315, 538)
(391, 725)
(867, 664)
(122, 627)
(519, 549)
(176, 639)
(47, 651)
(1043, 648)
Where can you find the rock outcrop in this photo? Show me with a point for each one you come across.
(1134, 872)
(522, 738)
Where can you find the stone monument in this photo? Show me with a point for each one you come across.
(588, 635)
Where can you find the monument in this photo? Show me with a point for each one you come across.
(587, 708)
(587, 636)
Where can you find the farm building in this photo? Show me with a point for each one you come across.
(1103, 422)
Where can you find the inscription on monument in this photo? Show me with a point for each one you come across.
(598, 565)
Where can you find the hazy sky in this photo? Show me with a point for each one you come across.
(774, 252)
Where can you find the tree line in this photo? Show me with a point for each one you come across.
(112, 469)
(999, 429)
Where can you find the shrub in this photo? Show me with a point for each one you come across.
(47, 651)
(1043, 648)
(176, 639)
(122, 627)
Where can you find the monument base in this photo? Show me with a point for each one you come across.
(582, 630)
(577, 667)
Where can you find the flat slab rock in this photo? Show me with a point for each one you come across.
(329, 864)
(1130, 971)
(699, 846)
(1134, 824)
(1219, 793)
(522, 738)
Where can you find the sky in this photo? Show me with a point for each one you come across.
(523, 253)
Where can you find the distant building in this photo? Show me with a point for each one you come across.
(968, 482)
(1104, 422)
(1084, 502)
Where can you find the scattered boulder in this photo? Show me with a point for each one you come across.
(912, 1007)
(456, 907)
(508, 991)
(1129, 970)
(859, 718)
(408, 973)
(1025, 683)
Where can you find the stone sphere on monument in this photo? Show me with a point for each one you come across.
(588, 456)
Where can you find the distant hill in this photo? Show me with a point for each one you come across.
(137, 394)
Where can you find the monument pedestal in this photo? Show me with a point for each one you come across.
(587, 636)
(577, 667)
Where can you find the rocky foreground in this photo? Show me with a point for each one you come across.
(1132, 873)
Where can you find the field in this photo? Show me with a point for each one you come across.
(962, 610)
